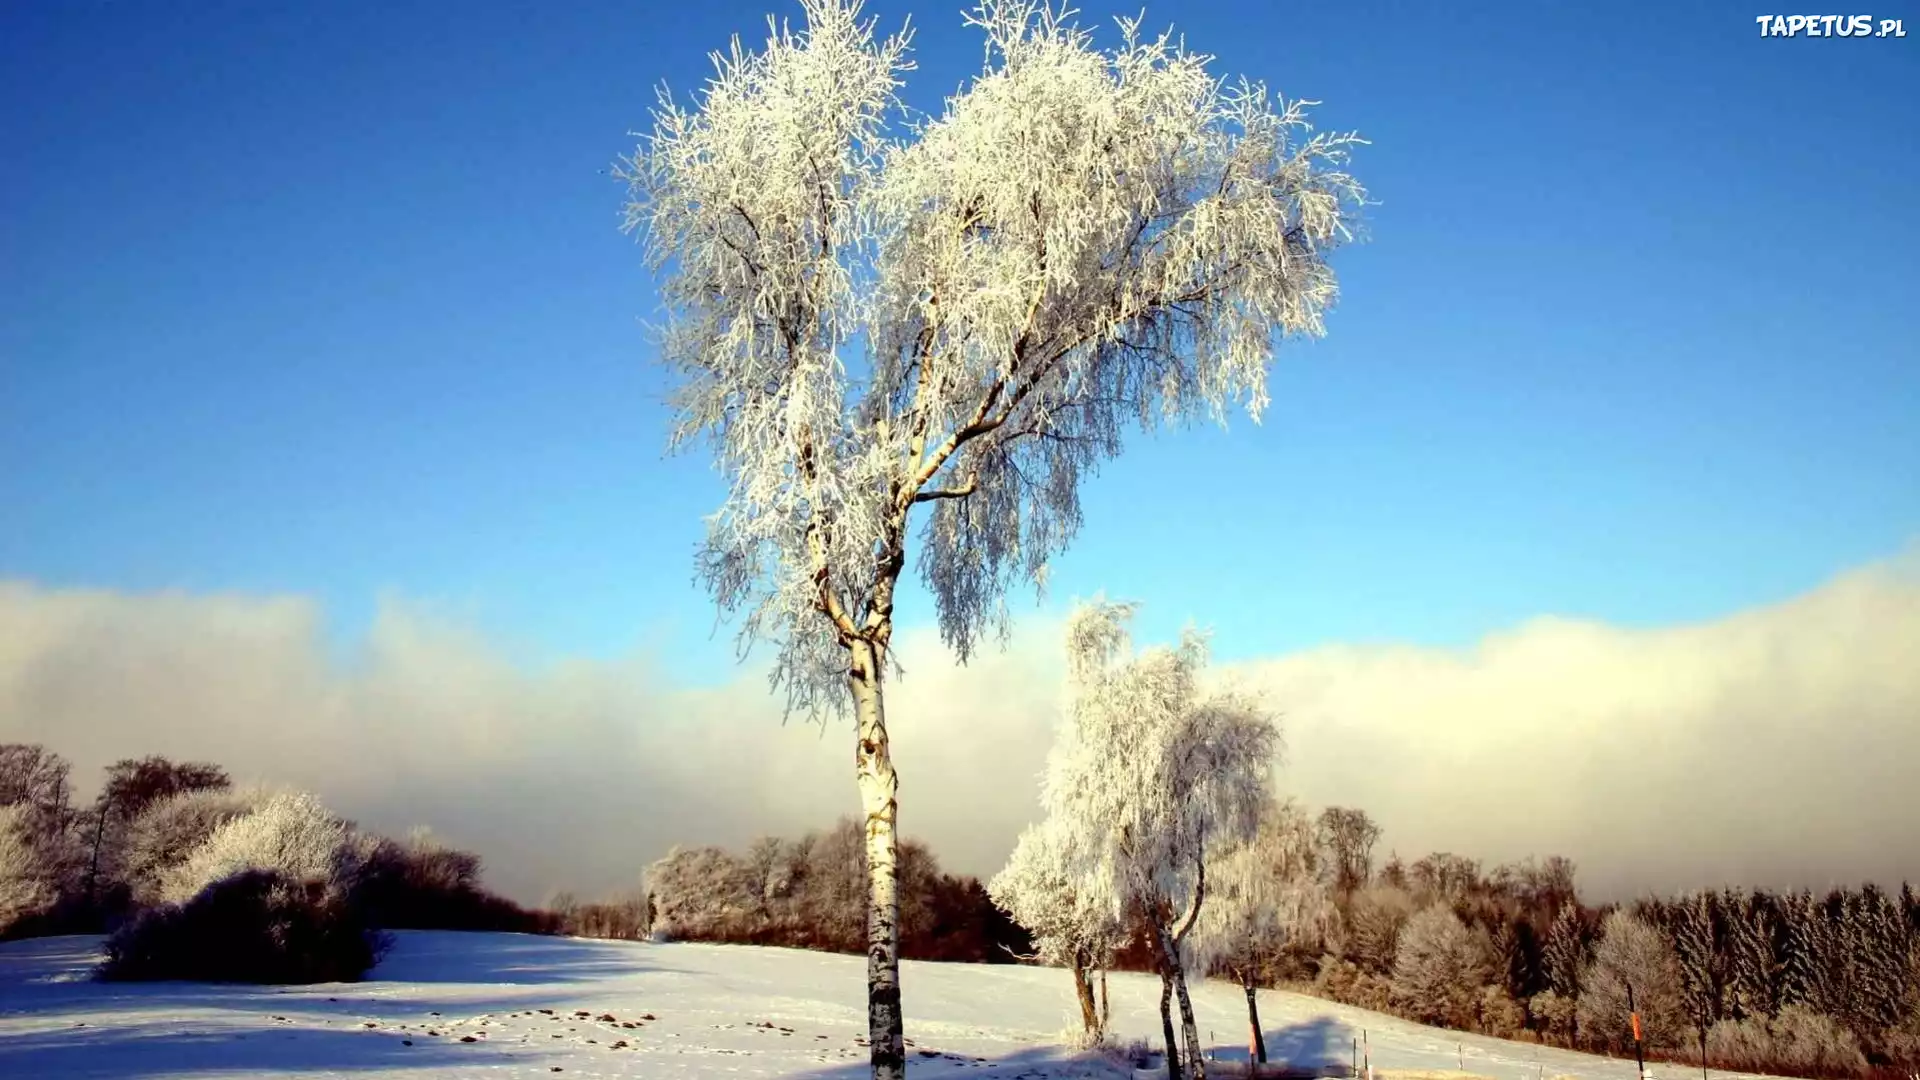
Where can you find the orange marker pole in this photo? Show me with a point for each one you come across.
(1638, 1057)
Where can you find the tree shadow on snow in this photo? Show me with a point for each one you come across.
(54, 975)
(449, 956)
(1321, 1041)
(142, 1051)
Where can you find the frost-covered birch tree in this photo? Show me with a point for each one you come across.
(1263, 895)
(1151, 779)
(952, 320)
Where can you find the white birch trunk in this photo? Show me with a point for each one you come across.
(879, 786)
(1176, 978)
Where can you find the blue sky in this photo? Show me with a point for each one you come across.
(329, 299)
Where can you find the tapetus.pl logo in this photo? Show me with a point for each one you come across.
(1818, 26)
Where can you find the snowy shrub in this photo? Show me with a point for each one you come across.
(1553, 1015)
(290, 834)
(1631, 952)
(1344, 981)
(1498, 1014)
(25, 890)
(266, 896)
(1335, 977)
(162, 836)
(255, 926)
(1079, 1037)
(1797, 1041)
(1438, 968)
(1131, 1054)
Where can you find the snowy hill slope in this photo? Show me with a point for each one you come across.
(511, 1006)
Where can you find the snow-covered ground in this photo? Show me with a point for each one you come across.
(511, 1006)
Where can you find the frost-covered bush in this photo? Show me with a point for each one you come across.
(1797, 1041)
(1498, 1014)
(701, 893)
(25, 888)
(1345, 982)
(290, 834)
(1438, 968)
(166, 833)
(1553, 1015)
(255, 926)
(267, 896)
(1130, 1054)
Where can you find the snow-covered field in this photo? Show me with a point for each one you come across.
(506, 1005)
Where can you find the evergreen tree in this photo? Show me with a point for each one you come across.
(1877, 950)
(1806, 976)
(1692, 930)
(1843, 933)
(1568, 946)
(1524, 975)
(1752, 976)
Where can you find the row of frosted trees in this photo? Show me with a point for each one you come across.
(809, 893)
(1164, 848)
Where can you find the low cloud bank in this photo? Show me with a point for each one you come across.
(1774, 746)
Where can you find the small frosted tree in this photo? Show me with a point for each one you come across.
(1071, 926)
(1631, 953)
(1153, 777)
(1263, 895)
(958, 318)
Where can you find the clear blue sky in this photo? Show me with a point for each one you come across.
(329, 299)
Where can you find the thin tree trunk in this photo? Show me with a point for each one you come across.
(1106, 1007)
(1257, 1047)
(1196, 1055)
(879, 786)
(1170, 961)
(99, 833)
(1166, 1022)
(1089, 1011)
